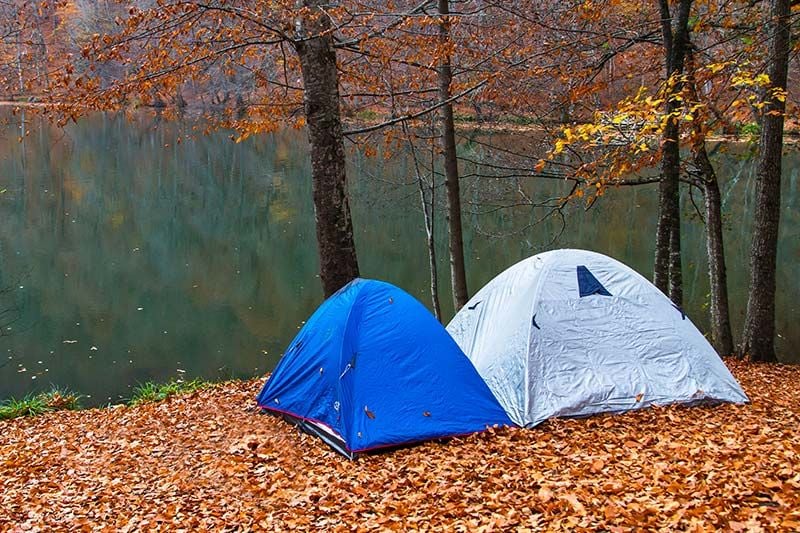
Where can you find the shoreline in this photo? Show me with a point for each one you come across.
(488, 126)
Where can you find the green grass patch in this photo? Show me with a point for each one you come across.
(156, 392)
(521, 120)
(464, 117)
(367, 115)
(37, 404)
(751, 130)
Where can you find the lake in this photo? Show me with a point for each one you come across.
(127, 256)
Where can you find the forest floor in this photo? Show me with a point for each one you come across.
(207, 461)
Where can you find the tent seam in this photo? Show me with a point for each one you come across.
(341, 351)
(534, 300)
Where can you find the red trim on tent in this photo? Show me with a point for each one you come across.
(372, 448)
(308, 419)
(419, 441)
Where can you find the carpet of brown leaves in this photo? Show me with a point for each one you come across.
(207, 461)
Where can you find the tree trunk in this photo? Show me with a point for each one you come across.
(20, 69)
(721, 336)
(675, 260)
(758, 337)
(429, 217)
(42, 75)
(337, 253)
(429, 214)
(458, 276)
(667, 269)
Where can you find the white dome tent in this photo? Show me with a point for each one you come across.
(573, 333)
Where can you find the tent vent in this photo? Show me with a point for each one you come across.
(588, 284)
(680, 310)
(533, 322)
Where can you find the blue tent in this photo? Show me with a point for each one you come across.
(372, 368)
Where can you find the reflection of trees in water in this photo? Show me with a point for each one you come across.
(620, 224)
(189, 233)
(215, 242)
(10, 311)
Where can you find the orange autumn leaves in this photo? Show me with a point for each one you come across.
(208, 461)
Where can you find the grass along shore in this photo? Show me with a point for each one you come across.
(207, 460)
(58, 399)
(36, 404)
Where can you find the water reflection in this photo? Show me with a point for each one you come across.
(134, 257)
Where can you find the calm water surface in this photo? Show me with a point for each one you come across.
(128, 256)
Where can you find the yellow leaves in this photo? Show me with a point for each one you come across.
(761, 80)
(745, 78)
(582, 133)
(715, 68)
(242, 137)
(619, 118)
(778, 94)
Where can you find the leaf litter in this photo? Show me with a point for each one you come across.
(207, 461)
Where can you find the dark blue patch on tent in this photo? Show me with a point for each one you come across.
(588, 284)
(373, 368)
(683, 315)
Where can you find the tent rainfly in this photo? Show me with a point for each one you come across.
(372, 368)
(571, 333)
